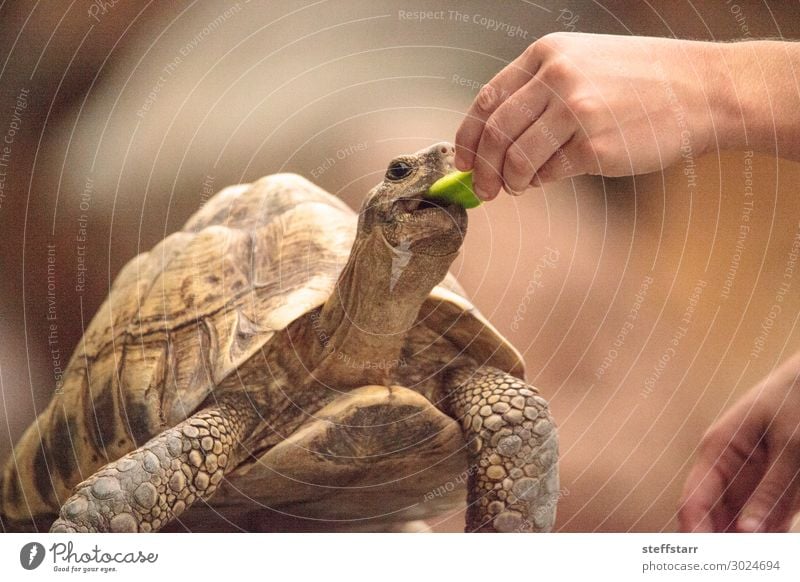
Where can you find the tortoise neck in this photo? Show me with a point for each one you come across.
(361, 328)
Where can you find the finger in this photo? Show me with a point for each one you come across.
(566, 162)
(699, 508)
(702, 507)
(536, 146)
(773, 498)
(506, 124)
(786, 521)
(746, 472)
(504, 84)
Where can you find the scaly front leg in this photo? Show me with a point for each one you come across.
(152, 485)
(513, 451)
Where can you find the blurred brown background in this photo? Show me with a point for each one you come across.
(135, 111)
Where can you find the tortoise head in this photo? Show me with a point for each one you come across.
(403, 249)
(406, 219)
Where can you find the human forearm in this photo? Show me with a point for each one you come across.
(753, 89)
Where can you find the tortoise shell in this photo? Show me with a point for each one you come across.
(185, 315)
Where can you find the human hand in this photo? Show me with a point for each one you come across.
(747, 474)
(576, 104)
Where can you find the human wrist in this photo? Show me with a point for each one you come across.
(724, 83)
(755, 99)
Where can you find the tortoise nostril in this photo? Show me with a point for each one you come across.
(442, 148)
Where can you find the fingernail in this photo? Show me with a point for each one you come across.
(705, 526)
(480, 192)
(749, 524)
(486, 97)
(461, 163)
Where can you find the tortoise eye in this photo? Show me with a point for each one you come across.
(398, 170)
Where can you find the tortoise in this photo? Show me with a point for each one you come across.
(281, 354)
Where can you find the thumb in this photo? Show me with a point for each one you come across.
(771, 502)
